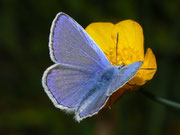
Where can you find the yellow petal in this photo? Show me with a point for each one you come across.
(130, 41)
(147, 70)
(101, 34)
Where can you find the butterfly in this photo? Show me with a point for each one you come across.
(82, 78)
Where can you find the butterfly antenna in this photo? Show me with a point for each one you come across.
(147, 68)
(117, 46)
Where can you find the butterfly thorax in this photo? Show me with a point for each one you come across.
(107, 75)
(103, 79)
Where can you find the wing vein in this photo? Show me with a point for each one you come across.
(80, 49)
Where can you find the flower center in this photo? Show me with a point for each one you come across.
(125, 56)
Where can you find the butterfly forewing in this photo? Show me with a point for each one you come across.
(70, 44)
(124, 75)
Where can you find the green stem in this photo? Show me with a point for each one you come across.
(161, 100)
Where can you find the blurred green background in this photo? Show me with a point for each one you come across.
(25, 108)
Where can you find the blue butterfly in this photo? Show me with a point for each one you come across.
(82, 79)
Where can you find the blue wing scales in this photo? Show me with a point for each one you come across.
(70, 44)
(66, 86)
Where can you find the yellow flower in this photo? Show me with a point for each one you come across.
(127, 37)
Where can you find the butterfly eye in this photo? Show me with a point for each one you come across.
(120, 66)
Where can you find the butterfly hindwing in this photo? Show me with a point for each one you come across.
(92, 104)
(66, 86)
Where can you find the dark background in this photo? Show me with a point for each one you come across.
(25, 109)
